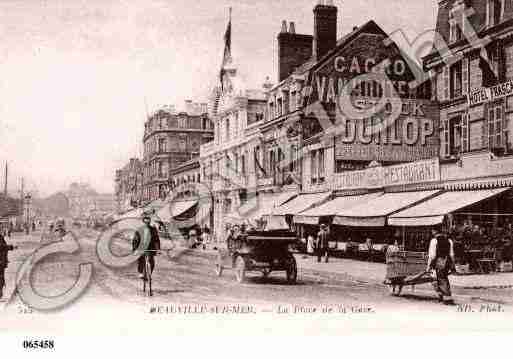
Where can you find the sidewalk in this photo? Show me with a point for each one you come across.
(375, 273)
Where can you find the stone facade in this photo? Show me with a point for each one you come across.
(475, 124)
(171, 139)
(228, 166)
(129, 185)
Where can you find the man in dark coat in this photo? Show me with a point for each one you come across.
(149, 236)
(441, 260)
(322, 245)
(4, 249)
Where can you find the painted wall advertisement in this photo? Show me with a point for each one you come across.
(379, 177)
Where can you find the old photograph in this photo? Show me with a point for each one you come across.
(255, 166)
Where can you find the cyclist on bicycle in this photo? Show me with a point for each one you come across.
(151, 243)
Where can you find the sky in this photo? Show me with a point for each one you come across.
(76, 76)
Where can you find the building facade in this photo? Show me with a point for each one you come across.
(170, 139)
(129, 185)
(228, 164)
(472, 67)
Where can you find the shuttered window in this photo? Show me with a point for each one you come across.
(446, 83)
(464, 76)
(445, 138)
(465, 132)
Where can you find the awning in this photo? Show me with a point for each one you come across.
(375, 212)
(301, 203)
(259, 206)
(175, 209)
(433, 211)
(329, 209)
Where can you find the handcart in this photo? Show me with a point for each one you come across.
(406, 268)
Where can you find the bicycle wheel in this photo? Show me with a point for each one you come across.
(148, 275)
(144, 278)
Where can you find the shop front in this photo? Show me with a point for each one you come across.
(478, 221)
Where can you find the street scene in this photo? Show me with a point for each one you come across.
(331, 159)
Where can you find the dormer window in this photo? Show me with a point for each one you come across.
(457, 21)
(494, 12)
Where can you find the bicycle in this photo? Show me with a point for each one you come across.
(147, 271)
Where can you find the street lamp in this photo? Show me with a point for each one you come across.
(28, 198)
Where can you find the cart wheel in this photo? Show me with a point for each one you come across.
(219, 269)
(292, 271)
(240, 269)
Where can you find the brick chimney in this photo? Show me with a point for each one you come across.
(325, 28)
(293, 50)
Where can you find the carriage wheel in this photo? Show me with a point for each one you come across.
(292, 271)
(240, 269)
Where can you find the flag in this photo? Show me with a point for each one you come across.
(227, 55)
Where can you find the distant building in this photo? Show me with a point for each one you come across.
(170, 139)
(84, 201)
(129, 185)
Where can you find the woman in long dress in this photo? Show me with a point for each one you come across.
(310, 245)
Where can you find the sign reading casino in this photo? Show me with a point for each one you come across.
(399, 123)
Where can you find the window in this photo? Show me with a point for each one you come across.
(455, 136)
(162, 145)
(313, 167)
(293, 101)
(457, 21)
(494, 12)
(291, 159)
(280, 107)
(160, 169)
(227, 134)
(321, 168)
(272, 165)
(243, 164)
(456, 80)
(495, 128)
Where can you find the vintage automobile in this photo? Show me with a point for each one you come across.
(263, 252)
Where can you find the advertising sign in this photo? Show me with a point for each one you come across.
(379, 177)
(488, 94)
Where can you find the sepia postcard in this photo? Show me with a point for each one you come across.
(255, 167)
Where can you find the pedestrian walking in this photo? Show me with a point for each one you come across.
(4, 261)
(441, 260)
(322, 244)
(310, 245)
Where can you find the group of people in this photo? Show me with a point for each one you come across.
(319, 245)
(494, 242)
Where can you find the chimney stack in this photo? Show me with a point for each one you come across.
(292, 28)
(325, 28)
(283, 26)
(293, 50)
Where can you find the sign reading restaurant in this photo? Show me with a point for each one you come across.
(379, 177)
(488, 94)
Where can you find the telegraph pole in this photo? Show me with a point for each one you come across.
(5, 183)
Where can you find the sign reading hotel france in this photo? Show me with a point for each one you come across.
(488, 94)
(404, 129)
(379, 177)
